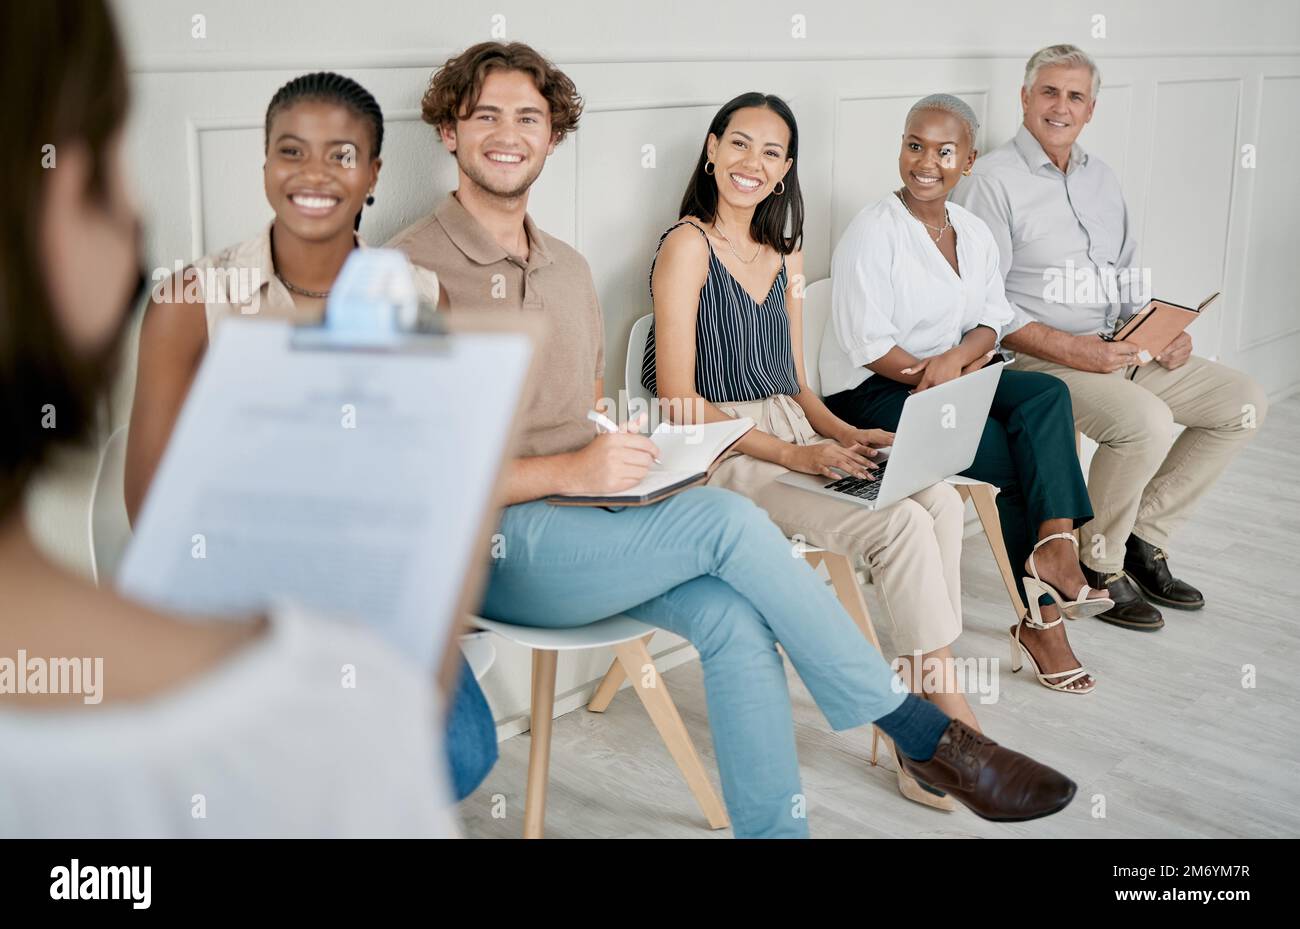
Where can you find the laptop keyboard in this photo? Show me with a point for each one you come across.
(864, 488)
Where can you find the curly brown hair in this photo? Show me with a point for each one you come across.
(454, 88)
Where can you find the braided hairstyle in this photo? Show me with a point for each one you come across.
(328, 87)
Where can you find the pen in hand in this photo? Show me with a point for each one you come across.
(605, 424)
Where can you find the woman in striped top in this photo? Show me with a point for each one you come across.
(717, 350)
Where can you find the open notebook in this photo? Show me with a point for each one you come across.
(686, 453)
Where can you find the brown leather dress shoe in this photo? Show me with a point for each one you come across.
(991, 781)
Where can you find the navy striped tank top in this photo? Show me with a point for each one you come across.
(742, 347)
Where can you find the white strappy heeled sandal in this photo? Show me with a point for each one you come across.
(913, 790)
(1053, 680)
(1077, 608)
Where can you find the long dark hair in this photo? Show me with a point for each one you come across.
(64, 66)
(328, 87)
(777, 212)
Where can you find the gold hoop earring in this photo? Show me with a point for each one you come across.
(966, 173)
(780, 184)
(708, 167)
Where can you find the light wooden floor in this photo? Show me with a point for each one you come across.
(1171, 741)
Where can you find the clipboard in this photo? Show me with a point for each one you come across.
(357, 522)
(1156, 325)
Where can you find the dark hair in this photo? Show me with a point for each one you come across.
(64, 63)
(328, 87)
(454, 88)
(777, 212)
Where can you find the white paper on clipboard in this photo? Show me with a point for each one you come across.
(352, 482)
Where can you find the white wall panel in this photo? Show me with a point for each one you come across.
(623, 205)
(1184, 242)
(868, 137)
(1269, 302)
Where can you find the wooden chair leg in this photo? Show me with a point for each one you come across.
(986, 507)
(845, 581)
(610, 684)
(634, 656)
(539, 749)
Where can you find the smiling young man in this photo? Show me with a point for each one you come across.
(1056, 212)
(706, 564)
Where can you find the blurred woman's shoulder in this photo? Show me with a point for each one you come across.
(294, 724)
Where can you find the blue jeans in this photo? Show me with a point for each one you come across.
(471, 735)
(710, 566)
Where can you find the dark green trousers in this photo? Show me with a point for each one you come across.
(1027, 450)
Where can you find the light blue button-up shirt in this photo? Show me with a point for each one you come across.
(1066, 245)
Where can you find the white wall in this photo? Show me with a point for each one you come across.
(1186, 84)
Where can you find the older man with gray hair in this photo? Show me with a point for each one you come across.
(1058, 213)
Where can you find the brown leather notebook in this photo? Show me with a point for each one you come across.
(1156, 325)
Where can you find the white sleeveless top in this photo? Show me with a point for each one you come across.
(240, 281)
(268, 743)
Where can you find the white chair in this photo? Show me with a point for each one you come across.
(636, 346)
(628, 638)
(108, 529)
(816, 314)
(480, 654)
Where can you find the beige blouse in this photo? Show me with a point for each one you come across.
(240, 281)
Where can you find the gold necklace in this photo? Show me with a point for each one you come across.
(748, 261)
(939, 231)
(294, 288)
(301, 291)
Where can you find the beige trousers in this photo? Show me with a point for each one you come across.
(913, 547)
(1143, 482)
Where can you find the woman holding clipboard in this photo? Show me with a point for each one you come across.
(176, 728)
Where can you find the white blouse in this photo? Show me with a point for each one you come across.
(890, 285)
(269, 743)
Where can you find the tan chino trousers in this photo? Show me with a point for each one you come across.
(1142, 481)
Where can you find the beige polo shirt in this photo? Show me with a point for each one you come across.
(240, 281)
(476, 273)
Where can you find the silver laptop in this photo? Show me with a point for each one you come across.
(937, 437)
